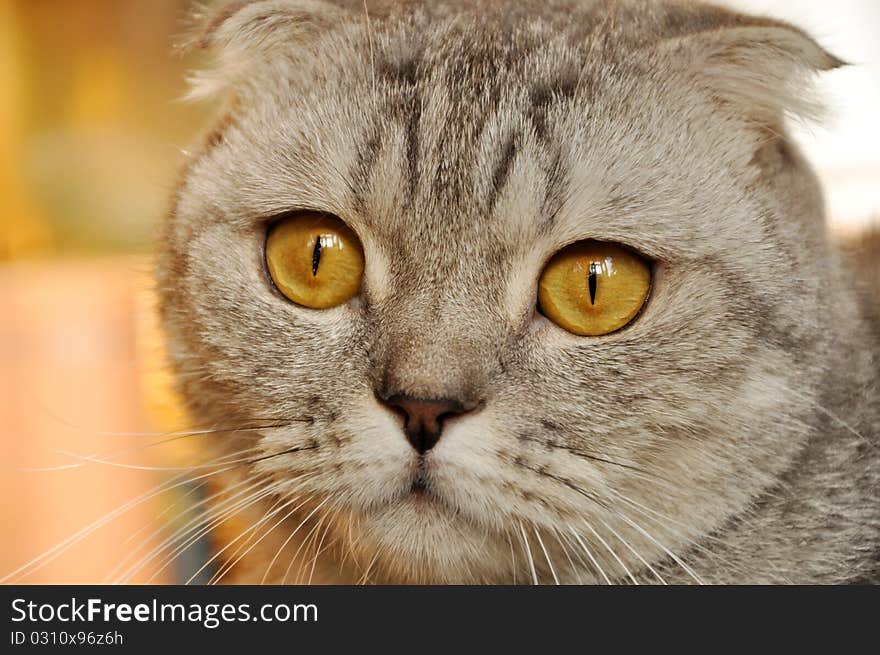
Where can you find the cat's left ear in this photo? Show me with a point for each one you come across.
(245, 36)
(760, 68)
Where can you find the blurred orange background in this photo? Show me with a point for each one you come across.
(91, 136)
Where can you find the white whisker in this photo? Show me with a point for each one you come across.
(675, 558)
(201, 525)
(53, 553)
(252, 527)
(546, 554)
(513, 563)
(634, 551)
(611, 551)
(271, 512)
(572, 567)
(589, 555)
(528, 552)
(304, 540)
(318, 552)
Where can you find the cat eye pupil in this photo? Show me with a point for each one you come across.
(592, 283)
(316, 255)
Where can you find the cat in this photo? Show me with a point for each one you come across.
(416, 413)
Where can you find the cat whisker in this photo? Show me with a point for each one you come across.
(85, 460)
(528, 552)
(205, 522)
(674, 557)
(543, 472)
(200, 432)
(273, 488)
(588, 455)
(589, 554)
(837, 419)
(202, 524)
(618, 512)
(281, 547)
(231, 564)
(187, 509)
(274, 422)
(659, 519)
(633, 550)
(298, 528)
(90, 459)
(165, 438)
(286, 451)
(306, 545)
(226, 567)
(365, 576)
(302, 548)
(565, 541)
(348, 551)
(318, 552)
(564, 548)
(168, 508)
(53, 553)
(546, 554)
(513, 562)
(610, 551)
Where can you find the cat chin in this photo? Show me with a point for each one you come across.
(423, 541)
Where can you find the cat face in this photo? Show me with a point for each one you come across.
(465, 146)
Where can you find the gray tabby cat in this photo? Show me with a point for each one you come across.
(430, 406)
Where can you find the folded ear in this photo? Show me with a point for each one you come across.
(246, 34)
(762, 68)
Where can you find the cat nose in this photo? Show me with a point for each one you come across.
(424, 417)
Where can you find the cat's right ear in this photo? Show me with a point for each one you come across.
(244, 35)
(760, 67)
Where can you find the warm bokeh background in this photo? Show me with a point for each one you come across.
(91, 137)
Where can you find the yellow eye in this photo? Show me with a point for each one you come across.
(593, 288)
(315, 260)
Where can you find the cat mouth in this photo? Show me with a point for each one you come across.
(420, 488)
